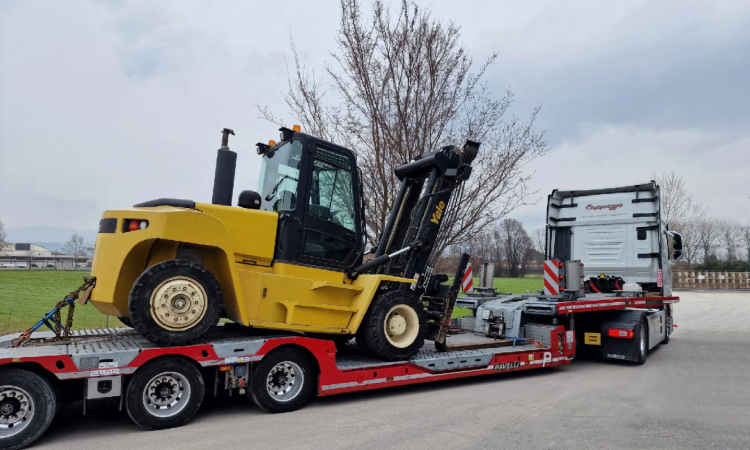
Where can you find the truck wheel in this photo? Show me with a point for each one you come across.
(175, 302)
(641, 340)
(165, 393)
(283, 381)
(27, 407)
(667, 326)
(394, 326)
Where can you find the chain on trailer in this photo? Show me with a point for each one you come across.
(61, 331)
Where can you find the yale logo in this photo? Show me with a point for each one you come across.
(438, 214)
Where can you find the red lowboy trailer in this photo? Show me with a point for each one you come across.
(163, 387)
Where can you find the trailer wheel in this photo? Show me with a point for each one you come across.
(283, 381)
(27, 407)
(394, 326)
(165, 393)
(641, 340)
(175, 302)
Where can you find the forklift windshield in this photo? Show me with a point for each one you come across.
(279, 175)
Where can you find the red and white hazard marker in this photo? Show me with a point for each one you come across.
(551, 278)
(468, 281)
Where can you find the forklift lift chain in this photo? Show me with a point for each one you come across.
(61, 332)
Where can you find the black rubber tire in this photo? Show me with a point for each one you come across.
(372, 328)
(134, 403)
(641, 332)
(259, 394)
(359, 340)
(45, 405)
(667, 326)
(126, 321)
(140, 307)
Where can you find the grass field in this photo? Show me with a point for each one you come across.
(512, 285)
(26, 295)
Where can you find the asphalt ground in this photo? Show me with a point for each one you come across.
(692, 393)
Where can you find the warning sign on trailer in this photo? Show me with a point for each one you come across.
(468, 280)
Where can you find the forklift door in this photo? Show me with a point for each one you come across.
(331, 222)
(313, 185)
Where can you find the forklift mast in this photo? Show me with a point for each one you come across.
(425, 201)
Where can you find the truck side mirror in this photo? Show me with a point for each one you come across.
(676, 244)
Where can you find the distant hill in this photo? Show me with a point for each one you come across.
(51, 238)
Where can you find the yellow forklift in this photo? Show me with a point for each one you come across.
(289, 256)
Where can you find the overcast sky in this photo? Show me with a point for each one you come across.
(106, 104)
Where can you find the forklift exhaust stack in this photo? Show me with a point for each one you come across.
(226, 163)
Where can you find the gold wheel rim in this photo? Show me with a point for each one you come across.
(401, 326)
(179, 303)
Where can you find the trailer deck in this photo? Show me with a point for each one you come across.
(117, 362)
(121, 351)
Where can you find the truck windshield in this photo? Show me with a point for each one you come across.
(278, 178)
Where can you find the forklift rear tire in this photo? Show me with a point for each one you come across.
(394, 326)
(175, 302)
(283, 381)
(165, 393)
(126, 321)
(27, 406)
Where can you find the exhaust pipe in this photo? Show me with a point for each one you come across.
(226, 163)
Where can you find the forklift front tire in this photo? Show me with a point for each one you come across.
(394, 326)
(175, 302)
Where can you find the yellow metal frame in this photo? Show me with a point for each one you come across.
(237, 246)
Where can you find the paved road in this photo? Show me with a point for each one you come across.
(692, 393)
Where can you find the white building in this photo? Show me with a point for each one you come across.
(24, 255)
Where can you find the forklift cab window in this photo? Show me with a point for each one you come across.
(279, 175)
(331, 192)
(331, 224)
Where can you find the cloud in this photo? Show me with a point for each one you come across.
(612, 155)
(106, 104)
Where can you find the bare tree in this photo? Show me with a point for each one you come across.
(406, 87)
(729, 236)
(76, 246)
(677, 204)
(539, 238)
(3, 236)
(515, 244)
(690, 242)
(708, 236)
(690, 230)
(745, 239)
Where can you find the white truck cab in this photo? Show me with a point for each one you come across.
(615, 232)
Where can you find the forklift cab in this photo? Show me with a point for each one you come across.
(315, 188)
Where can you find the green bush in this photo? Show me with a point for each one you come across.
(730, 266)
